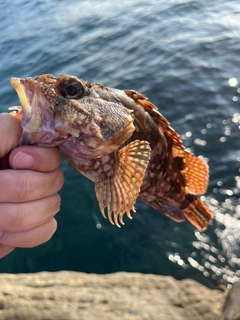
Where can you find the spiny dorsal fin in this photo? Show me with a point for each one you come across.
(138, 97)
(118, 193)
(162, 122)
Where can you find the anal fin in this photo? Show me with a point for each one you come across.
(168, 209)
(118, 192)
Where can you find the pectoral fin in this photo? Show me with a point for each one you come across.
(118, 193)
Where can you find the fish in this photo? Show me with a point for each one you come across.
(117, 139)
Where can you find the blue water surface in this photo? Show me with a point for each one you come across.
(184, 56)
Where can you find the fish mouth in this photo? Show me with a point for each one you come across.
(29, 98)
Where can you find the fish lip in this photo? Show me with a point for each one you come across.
(31, 120)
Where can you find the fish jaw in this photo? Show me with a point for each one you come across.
(37, 114)
(33, 122)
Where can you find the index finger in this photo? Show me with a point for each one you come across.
(10, 133)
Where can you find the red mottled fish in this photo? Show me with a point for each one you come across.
(120, 141)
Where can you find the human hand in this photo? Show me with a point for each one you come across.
(29, 182)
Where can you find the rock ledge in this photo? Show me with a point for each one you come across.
(67, 295)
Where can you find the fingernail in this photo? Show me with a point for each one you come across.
(23, 161)
(1, 233)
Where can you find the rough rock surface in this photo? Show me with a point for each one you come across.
(231, 310)
(127, 296)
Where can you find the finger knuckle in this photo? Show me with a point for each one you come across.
(55, 204)
(16, 217)
(59, 178)
(23, 189)
(47, 232)
(52, 229)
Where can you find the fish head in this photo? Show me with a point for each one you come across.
(68, 112)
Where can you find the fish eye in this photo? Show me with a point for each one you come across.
(71, 88)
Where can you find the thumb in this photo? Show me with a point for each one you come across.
(10, 133)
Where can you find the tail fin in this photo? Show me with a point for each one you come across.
(198, 214)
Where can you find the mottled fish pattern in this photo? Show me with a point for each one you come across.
(120, 141)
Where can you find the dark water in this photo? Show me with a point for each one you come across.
(183, 55)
